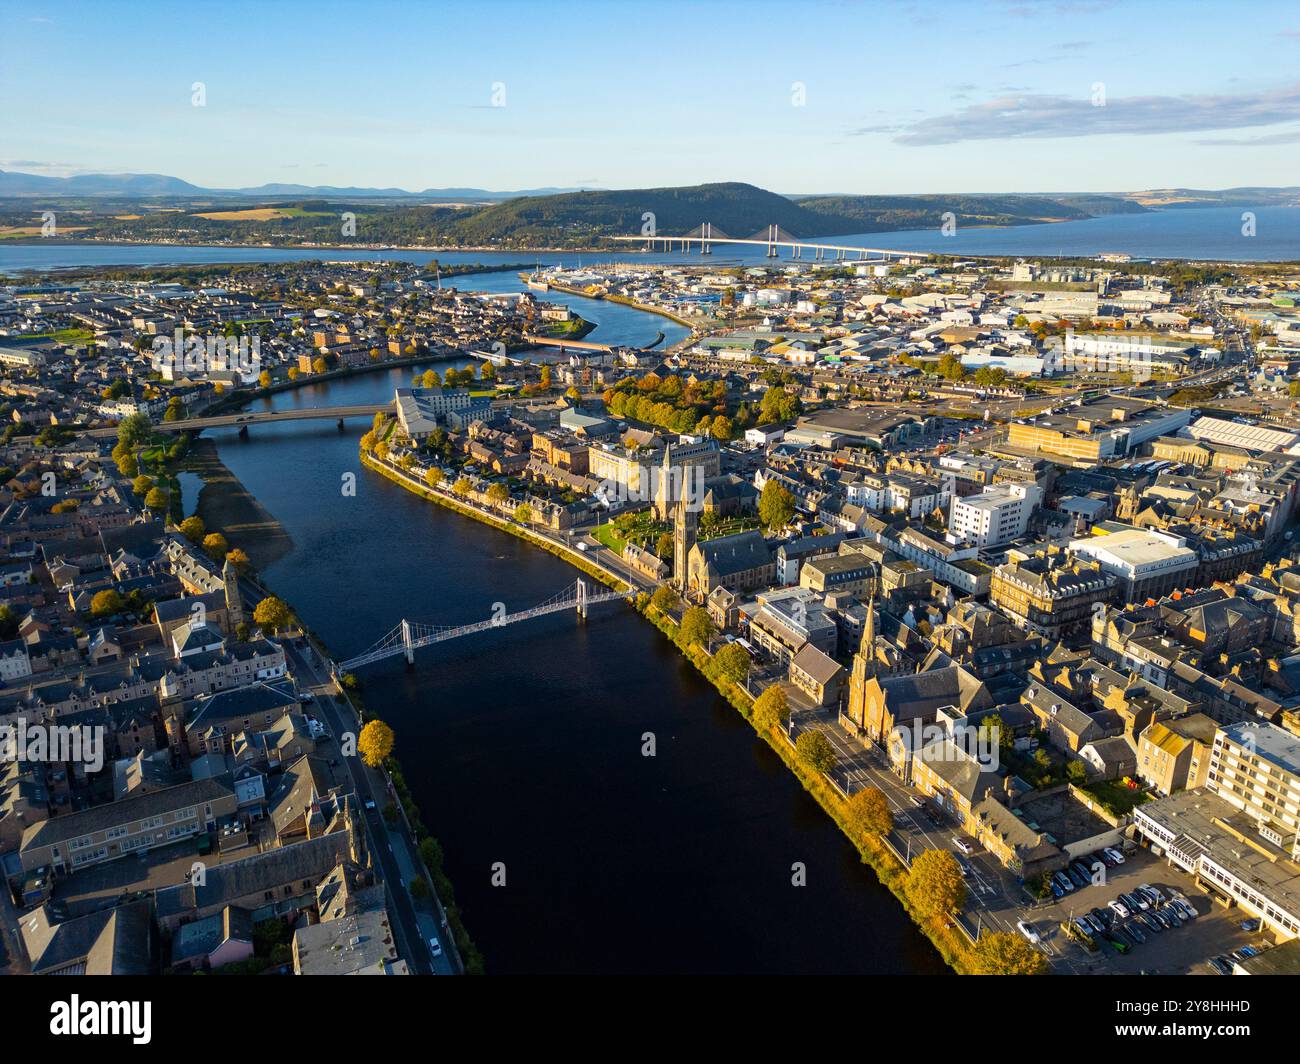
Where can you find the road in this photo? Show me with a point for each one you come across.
(392, 850)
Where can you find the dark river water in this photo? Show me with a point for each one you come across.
(523, 746)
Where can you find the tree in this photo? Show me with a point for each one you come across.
(869, 812)
(156, 499)
(128, 466)
(664, 545)
(487, 371)
(772, 708)
(732, 662)
(1002, 953)
(462, 486)
(697, 625)
(64, 506)
(498, 493)
(664, 599)
(9, 621)
(133, 430)
(375, 743)
(775, 505)
(430, 379)
(524, 514)
(106, 603)
(815, 751)
(142, 484)
(264, 379)
(239, 560)
(175, 410)
(935, 886)
(433, 476)
(214, 543)
(1075, 772)
(272, 613)
(193, 528)
(572, 393)
(319, 365)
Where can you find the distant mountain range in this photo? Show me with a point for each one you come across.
(167, 208)
(13, 183)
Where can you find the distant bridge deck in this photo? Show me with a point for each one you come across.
(261, 417)
(551, 341)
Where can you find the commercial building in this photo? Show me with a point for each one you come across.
(1146, 563)
(1051, 594)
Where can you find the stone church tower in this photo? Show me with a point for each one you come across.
(234, 603)
(864, 667)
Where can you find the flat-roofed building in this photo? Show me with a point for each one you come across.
(1174, 755)
(1147, 563)
(1256, 767)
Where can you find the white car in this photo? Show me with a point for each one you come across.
(963, 845)
(435, 948)
(1120, 909)
(1027, 929)
(1114, 854)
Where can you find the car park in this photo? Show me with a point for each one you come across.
(1221, 965)
(1134, 929)
(1077, 877)
(1114, 854)
(1103, 915)
(1250, 925)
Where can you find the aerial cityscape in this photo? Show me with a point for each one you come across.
(711, 489)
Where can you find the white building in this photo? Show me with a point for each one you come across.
(999, 514)
(1148, 563)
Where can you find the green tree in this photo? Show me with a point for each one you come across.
(664, 545)
(815, 750)
(498, 493)
(524, 514)
(156, 499)
(732, 662)
(1002, 953)
(697, 625)
(869, 812)
(772, 708)
(134, 430)
(935, 886)
(9, 621)
(128, 466)
(664, 599)
(775, 505)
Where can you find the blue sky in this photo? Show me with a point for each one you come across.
(795, 96)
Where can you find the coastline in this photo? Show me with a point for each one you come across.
(947, 940)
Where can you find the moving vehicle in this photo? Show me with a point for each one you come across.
(370, 803)
(435, 948)
(1027, 929)
(963, 845)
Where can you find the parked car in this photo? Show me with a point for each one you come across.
(1120, 909)
(1151, 922)
(1165, 920)
(1105, 859)
(1027, 929)
(1134, 928)
(1250, 925)
(1154, 893)
(1244, 954)
(1104, 915)
(962, 845)
(1117, 944)
(1078, 878)
(1185, 909)
(1221, 965)
(1064, 881)
(1135, 902)
(1058, 891)
(1114, 854)
(1098, 926)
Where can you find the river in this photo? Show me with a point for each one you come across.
(524, 747)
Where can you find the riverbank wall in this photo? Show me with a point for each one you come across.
(873, 851)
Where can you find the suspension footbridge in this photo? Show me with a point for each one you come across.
(407, 637)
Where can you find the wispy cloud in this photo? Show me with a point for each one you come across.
(1027, 116)
(42, 168)
(1293, 137)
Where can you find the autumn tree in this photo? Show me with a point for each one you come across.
(271, 613)
(142, 484)
(524, 514)
(462, 486)
(815, 751)
(772, 708)
(732, 662)
(869, 812)
(214, 543)
(239, 560)
(156, 499)
(375, 743)
(664, 599)
(106, 603)
(935, 886)
(1002, 953)
(498, 493)
(193, 529)
(433, 476)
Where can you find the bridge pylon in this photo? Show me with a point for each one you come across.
(580, 599)
(408, 643)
